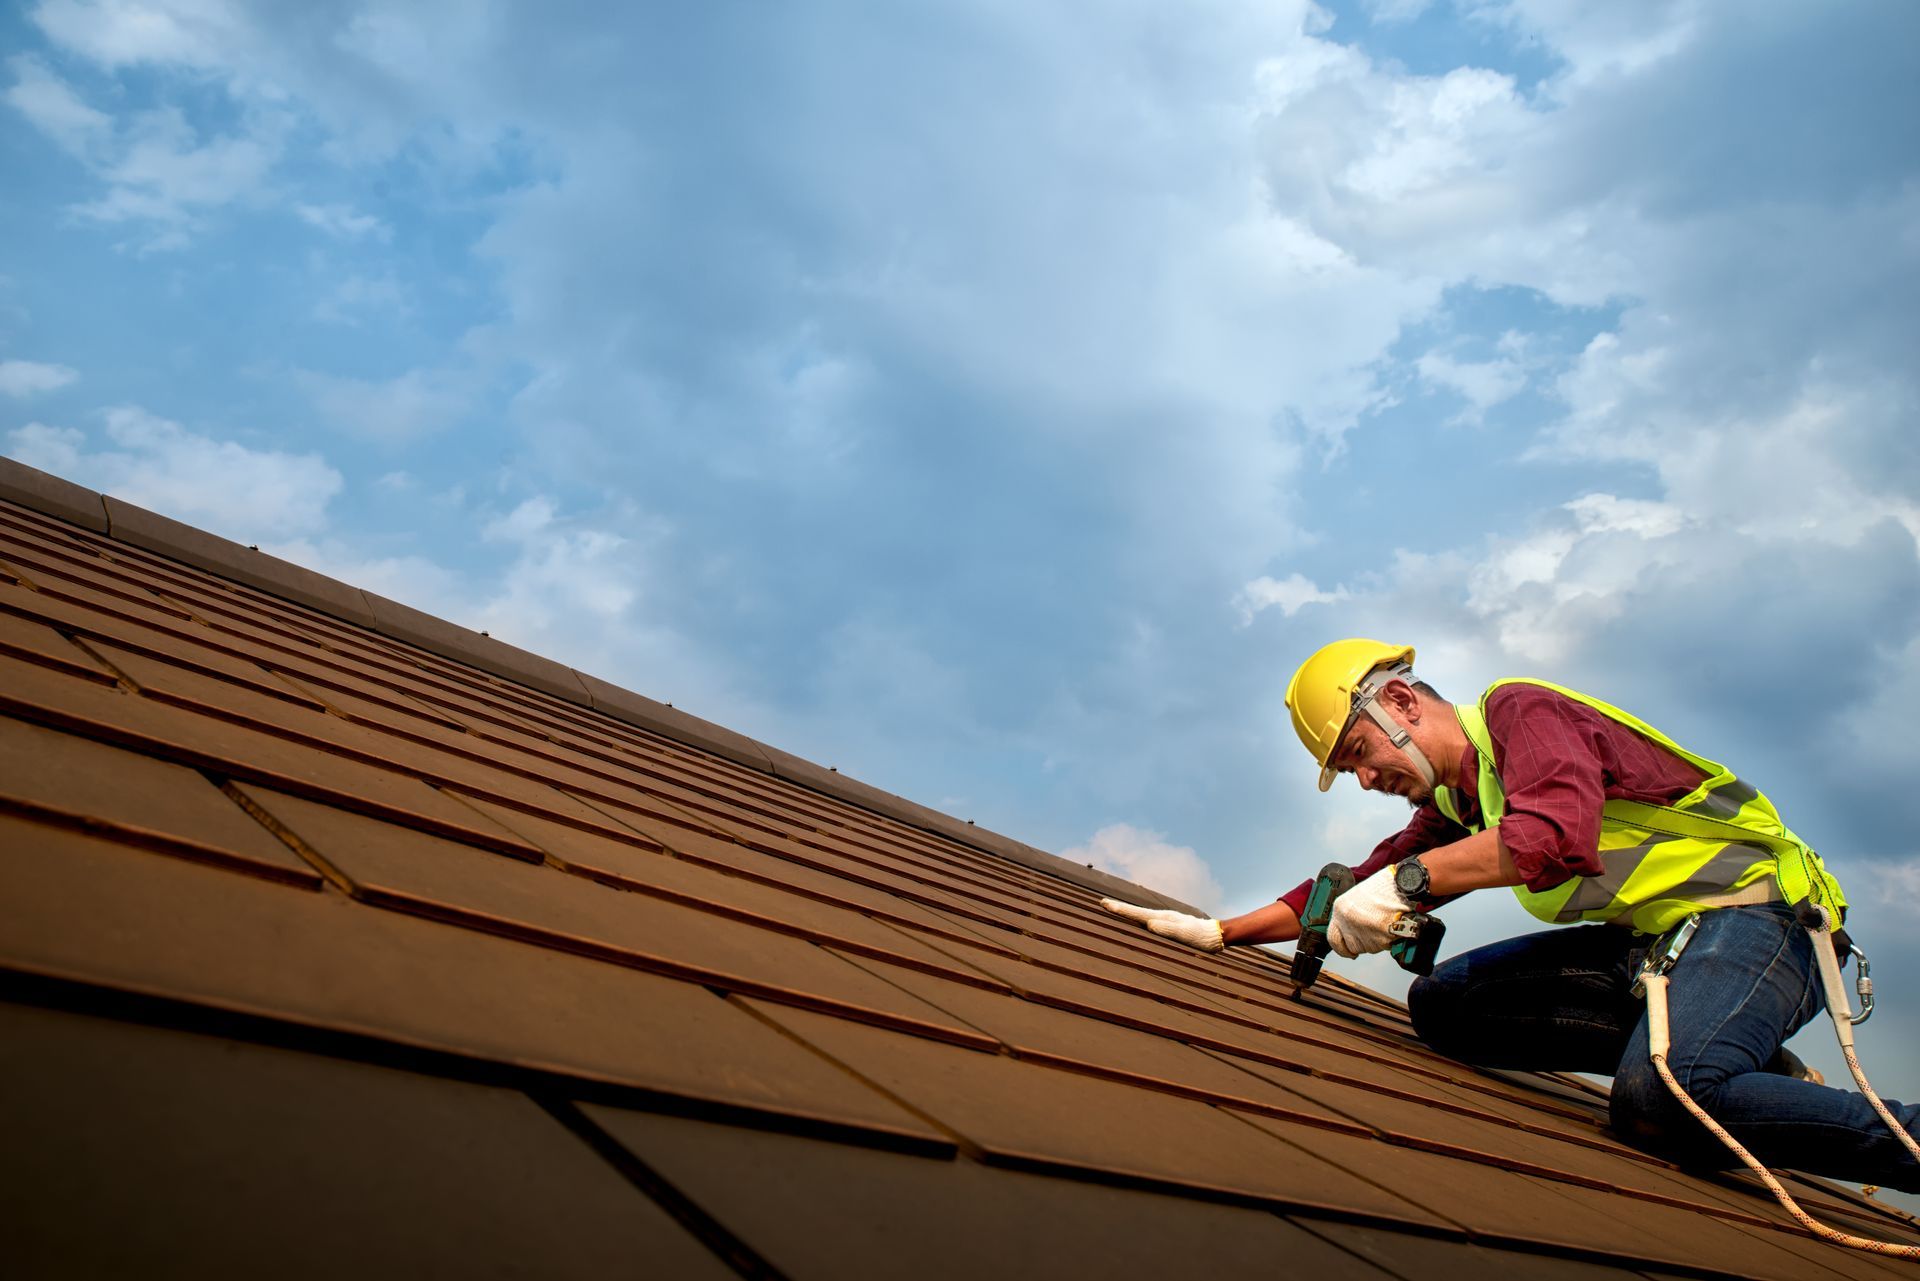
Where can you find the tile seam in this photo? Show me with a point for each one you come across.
(150, 840)
(960, 1141)
(59, 988)
(532, 935)
(698, 1222)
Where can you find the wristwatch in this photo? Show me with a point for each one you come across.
(1411, 879)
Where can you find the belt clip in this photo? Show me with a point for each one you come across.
(1665, 951)
(1819, 920)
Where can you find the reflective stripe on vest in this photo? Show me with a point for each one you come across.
(1720, 845)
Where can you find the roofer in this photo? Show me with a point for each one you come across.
(1599, 821)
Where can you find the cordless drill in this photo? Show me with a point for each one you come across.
(1416, 934)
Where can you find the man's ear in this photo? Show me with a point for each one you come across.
(1401, 697)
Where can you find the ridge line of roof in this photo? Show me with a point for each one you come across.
(64, 500)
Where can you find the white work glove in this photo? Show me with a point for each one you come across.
(1195, 931)
(1361, 915)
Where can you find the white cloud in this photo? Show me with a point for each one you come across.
(23, 378)
(1607, 513)
(1292, 594)
(566, 573)
(1457, 177)
(1394, 167)
(344, 222)
(353, 298)
(51, 106)
(1616, 40)
(1482, 384)
(409, 406)
(1146, 858)
(1388, 13)
(157, 168)
(164, 172)
(51, 449)
(231, 489)
(118, 33)
(1781, 469)
(1896, 881)
(331, 62)
(1548, 590)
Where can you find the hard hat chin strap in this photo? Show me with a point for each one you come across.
(1397, 734)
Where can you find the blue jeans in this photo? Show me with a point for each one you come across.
(1562, 1001)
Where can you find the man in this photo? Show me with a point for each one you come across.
(1600, 822)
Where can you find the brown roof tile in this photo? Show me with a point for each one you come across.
(410, 871)
(632, 864)
(1019, 1113)
(1430, 1259)
(108, 915)
(894, 1215)
(1495, 1205)
(188, 677)
(75, 782)
(1042, 1034)
(41, 645)
(219, 1158)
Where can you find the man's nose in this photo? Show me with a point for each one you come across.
(1367, 776)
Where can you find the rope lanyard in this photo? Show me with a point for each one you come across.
(1654, 982)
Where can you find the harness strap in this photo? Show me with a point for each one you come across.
(1397, 735)
(1764, 890)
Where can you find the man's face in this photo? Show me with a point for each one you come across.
(1379, 766)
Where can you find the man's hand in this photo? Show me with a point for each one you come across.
(1361, 915)
(1195, 931)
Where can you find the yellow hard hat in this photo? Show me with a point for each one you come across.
(1331, 687)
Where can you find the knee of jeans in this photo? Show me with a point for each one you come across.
(1434, 1005)
(1639, 1105)
(1644, 1112)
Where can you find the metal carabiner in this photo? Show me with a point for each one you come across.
(1665, 951)
(1863, 985)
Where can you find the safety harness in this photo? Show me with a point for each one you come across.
(1721, 845)
(1818, 922)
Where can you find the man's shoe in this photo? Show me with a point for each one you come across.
(1786, 1063)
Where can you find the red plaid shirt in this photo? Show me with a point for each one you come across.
(1558, 761)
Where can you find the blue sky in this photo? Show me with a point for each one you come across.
(997, 400)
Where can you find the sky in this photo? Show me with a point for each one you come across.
(997, 400)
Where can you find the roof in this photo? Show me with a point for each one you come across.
(333, 936)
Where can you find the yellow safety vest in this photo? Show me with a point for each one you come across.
(1720, 845)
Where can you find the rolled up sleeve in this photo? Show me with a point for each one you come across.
(1552, 770)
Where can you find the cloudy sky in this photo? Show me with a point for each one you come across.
(995, 400)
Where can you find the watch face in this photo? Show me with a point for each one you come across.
(1411, 878)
